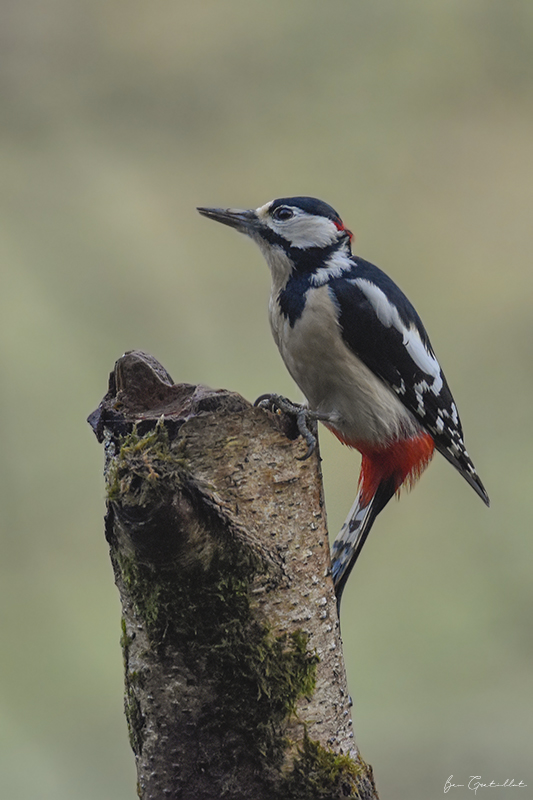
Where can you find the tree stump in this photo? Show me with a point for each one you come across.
(234, 679)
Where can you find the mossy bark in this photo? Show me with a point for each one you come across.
(234, 680)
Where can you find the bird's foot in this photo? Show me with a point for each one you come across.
(305, 418)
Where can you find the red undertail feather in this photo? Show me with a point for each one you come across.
(404, 460)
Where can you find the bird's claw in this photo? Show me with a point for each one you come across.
(302, 416)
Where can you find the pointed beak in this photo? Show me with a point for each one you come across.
(242, 221)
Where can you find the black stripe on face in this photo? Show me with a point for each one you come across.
(266, 233)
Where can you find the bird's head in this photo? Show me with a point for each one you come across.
(300, 232)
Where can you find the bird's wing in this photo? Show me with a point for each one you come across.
(379, 325)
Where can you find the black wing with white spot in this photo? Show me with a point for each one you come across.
(379, 325)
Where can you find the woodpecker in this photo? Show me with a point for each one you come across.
(359, 352)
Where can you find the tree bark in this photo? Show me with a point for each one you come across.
(234, 679)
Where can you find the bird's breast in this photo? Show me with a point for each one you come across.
(336, 383)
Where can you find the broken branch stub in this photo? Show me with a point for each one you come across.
(234, 679)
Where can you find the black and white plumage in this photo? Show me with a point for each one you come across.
(358, 350)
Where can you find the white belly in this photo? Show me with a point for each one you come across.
(334, 380)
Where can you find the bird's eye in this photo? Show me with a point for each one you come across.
(282, 213)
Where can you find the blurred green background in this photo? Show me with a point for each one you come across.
(415, 121)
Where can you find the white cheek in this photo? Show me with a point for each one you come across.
(303, 230)
(308, 231)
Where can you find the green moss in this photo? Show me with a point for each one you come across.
(206, 614)
(260, 678)
(125, 640)
(143, 584)
(135, 678)
(135, 719)
(132, 708)
(136, 470)
(319, 773)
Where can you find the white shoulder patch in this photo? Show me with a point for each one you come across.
(386, 312)
(388, 315)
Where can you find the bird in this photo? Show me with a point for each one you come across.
(360, 354)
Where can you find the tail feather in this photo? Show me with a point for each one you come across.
(459, 458)
(353, 534)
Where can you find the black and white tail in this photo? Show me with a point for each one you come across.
(354, 532)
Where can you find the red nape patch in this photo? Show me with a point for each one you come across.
(340, 227)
